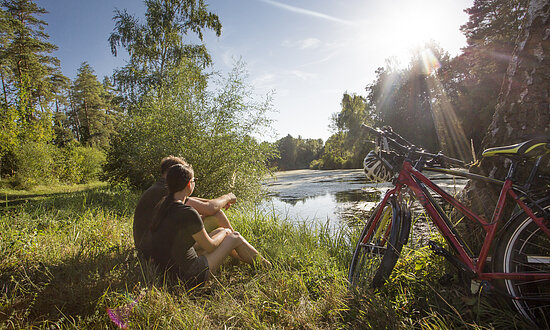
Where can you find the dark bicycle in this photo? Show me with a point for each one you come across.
(518, 248)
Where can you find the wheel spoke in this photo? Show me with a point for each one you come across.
(375, 255)
(526, 249)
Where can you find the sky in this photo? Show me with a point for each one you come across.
(308, 52)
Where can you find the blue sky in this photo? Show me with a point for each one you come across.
(309, 52)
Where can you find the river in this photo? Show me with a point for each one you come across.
(334, 196)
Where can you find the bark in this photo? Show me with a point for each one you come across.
(523, 107)
(522, 111)
(4, 88)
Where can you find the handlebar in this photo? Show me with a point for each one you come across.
(401, 145)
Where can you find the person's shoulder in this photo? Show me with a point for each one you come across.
(159, 185)
(184, 208)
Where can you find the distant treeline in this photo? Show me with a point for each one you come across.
(438, 102)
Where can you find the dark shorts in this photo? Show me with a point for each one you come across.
(197, 273)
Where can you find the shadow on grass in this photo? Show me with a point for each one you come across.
(77, 288)
(118, 200)
(12, 200)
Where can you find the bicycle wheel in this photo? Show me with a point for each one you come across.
(376, 253)
(525, 248)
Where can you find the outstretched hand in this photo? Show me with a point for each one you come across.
(231, 201)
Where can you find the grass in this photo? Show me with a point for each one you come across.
(67, 256)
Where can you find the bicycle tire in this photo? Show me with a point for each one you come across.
(375, 256)
(525, 248)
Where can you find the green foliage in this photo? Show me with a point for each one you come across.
(405, 98)
(296, 153)
(336, 155)
(347, 147)
(157, 46)
(453, 102)
(40, 163)
(174, 107)
(37, 164)
(30, 78)
(474, 78)
(91, 111)
(26, 57)
(212, 131)
(82, 164)
(8, 130)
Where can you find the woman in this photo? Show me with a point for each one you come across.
(177, 227)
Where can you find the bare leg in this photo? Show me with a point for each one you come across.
(249, 254)
(234, 241)
(219, 219)
(216, 231)
(216, 258)
(213, 233)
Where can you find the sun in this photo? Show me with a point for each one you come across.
(410, 26)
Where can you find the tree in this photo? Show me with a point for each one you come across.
(287, 151)
(30, 76)
(522, 109)
(523, 103)
(475, 77)
(91, 109)
(211, 130)
(404, 98)
(335, 154)
(171, 110)
(157, 47)
(297, 153)
(27, 56)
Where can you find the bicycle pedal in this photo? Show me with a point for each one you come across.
(485, 286)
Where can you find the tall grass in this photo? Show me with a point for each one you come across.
(67, 258)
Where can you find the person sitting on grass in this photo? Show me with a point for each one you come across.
(209, 209)
(178, 227)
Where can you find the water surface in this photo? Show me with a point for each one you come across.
(334, 196)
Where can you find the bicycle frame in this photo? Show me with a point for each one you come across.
(410, 177)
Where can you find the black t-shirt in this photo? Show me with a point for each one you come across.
(143, 216)
(173, 241)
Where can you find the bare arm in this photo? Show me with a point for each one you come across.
(207, 207)
(208, 243)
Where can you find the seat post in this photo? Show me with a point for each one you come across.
(512, 169)
(533, 173)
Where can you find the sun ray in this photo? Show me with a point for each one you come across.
(449, 131)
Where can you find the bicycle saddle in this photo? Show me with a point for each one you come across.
(530, 148)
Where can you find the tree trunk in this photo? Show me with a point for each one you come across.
(523, 108)
(523, 105)
(4, 88)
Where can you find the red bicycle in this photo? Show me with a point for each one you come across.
(515, 255)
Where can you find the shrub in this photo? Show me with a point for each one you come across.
(82, 164)
(212, 131)
(37, 163)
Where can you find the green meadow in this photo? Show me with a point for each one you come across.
(67, 257)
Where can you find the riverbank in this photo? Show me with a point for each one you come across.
(66, 259)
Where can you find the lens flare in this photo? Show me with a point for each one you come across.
(430, 63)
(121, 315)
